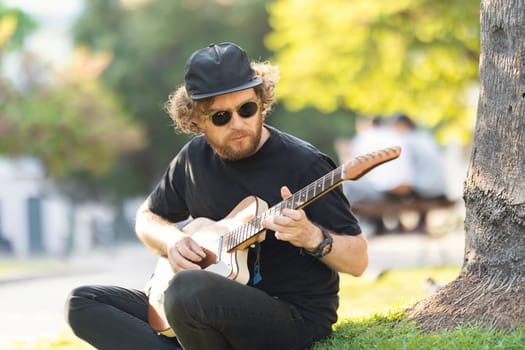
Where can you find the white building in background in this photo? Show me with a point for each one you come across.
(36, 220)
(24, 210)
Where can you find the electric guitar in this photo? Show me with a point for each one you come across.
(225, 242)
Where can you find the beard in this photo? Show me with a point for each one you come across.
(234, 151)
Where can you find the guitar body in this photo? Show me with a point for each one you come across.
(207, 233)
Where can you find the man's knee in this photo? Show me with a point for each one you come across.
(187, 293)
(77, 303)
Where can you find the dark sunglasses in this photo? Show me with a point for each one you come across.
(246, 109)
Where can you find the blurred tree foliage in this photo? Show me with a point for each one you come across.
(335, 57)
(150, 42)
(15, 26)
(381, 57)
(74, 126)
(66, 118)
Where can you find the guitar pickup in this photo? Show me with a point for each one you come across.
(219, 249)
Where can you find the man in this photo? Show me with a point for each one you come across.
(425, 158)
(390, 178)
(290, 298)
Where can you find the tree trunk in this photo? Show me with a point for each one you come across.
(490, 289)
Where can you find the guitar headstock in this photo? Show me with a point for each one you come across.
(362, 164)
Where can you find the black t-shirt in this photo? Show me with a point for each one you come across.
(198, 183)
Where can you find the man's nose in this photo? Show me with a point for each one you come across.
(236, 120)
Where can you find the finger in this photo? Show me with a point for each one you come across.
(180, 263)
(197, 250)
(190, 250)
(270, 224)
(184, 264)
(295, 215)
(277, 224)
(283, 221)
(282, 236)
(285, 192)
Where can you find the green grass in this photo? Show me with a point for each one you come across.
(391, 332)
(371, 317)
(365, 296)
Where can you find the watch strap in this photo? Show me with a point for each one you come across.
(325, 247)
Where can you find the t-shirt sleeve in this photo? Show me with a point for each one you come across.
(168, 198)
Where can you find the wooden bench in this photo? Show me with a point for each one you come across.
(433, 215)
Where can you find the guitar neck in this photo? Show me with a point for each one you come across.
(298, 200)
(352, 170)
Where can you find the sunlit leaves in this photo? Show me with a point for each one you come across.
(7, 28)
(15, 26)
(380, 57)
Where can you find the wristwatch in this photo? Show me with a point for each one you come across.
(325, 247)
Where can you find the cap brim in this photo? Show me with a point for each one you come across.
(255, 82)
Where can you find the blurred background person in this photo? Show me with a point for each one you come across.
(392, 178)
(397, 195)
(429, 180)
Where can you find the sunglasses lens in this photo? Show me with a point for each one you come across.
(248, 109)
(221, 118)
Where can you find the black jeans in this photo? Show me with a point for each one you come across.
(111, 318)
(207, 311)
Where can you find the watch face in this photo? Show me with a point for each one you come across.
(326, 249)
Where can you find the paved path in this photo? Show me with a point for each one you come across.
(395, 251)
(33, 307)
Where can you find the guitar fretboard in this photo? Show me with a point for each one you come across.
(297, 200)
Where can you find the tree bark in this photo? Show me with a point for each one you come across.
(490, 289)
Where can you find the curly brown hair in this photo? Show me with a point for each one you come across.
(184, 111)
